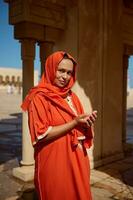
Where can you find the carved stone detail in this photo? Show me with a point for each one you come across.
(40, 12)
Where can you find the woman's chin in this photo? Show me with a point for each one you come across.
(60, 85)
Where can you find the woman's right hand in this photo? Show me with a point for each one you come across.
(86, 120)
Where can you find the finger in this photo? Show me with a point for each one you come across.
(92, 118)
(89, 122)
(94, 114)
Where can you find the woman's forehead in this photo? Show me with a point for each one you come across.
(66, 63)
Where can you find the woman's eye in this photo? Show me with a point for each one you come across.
(64, 71)
(61, 70)
(69, 73)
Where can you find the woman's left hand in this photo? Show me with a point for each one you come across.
(86, 120)
(91, 118)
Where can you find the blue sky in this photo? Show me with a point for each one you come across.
(9, 48)
(10, 54)
(130, 72)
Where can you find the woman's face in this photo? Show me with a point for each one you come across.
(64, 73)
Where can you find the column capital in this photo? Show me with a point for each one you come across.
(45, 13)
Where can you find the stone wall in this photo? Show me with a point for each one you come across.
(93, 36)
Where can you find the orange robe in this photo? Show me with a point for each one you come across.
(62, 170)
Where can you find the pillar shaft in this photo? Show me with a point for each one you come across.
(46, 48)
(28, 56)
(26, 171)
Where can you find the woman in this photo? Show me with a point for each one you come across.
(60, 132)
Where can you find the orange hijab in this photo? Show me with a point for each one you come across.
(56, 94)
(46, 82)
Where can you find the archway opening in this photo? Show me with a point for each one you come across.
(129, 104)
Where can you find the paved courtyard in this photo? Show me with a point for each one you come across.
(113, 181)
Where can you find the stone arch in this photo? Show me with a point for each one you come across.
(18, 79)
(13, 78)
(1, 79)
(7, 79)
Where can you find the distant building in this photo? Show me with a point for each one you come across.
(11, 79)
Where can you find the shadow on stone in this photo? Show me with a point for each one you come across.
(28, 194)
(10, 137)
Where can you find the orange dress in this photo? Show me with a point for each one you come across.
(61, 169)
(61, 166)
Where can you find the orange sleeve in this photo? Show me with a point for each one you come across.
(38, 118)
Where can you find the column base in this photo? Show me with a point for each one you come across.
(108, 159)
(24, 173)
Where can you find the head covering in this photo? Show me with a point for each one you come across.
(46, 83)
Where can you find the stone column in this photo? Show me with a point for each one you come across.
(46, 48)
(26, 171)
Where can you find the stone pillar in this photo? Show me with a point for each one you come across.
(26, 171)
(46, 48)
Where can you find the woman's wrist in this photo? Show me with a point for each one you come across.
(75, 121)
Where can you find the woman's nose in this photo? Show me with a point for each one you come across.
(65, 75)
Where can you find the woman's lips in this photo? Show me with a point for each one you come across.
(62, 82)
